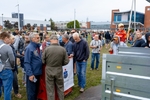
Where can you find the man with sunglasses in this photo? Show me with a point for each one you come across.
(71, 37)
(33, 66)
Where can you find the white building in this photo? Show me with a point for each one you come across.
(63, 24)
(41, 25)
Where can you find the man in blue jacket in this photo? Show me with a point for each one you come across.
(81, 55)
(33, 66)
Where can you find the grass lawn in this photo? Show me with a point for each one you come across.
(92, 79)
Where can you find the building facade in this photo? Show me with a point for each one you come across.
(37, 24)
(100, 25)
(142, 19)
(21, 18)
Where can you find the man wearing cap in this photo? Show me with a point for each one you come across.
(121, 33)
(54, 57)
(116, 44)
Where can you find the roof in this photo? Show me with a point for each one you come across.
(127, 12)
(100, 23)
(148, 1)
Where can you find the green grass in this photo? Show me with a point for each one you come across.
(92, 79)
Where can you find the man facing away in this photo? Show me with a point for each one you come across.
(96, 46)
(81, 55)
(33, 66)
(54, 57)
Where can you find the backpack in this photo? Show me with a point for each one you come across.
(21, 45)
(1, 64)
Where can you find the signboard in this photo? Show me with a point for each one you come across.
(68, 75)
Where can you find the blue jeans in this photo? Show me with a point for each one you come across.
(7, 80)
(1, 87)
(81, 72)
(97, 56)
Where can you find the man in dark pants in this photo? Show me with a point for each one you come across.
(54, 57)
(33, 66)
(81, 54)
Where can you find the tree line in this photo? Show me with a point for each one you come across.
(9, 25)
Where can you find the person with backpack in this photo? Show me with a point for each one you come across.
(7, 62)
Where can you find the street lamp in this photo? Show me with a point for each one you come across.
(2, 21)
(18, 18)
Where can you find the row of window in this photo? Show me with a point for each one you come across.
(139, 17)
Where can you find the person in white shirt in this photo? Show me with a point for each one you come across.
(96, 46)
(116, 44)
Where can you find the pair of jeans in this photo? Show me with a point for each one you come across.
(97, 56)
(32, 88)
(81, 73)
(1, 87)
(15, 83)
(7, 80)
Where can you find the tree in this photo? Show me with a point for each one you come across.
(71, 24)
(52, 24)
(7, 24)
(28, 26)
(15, 25)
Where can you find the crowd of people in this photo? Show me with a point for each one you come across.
(42, 56)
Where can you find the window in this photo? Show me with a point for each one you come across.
(148, 9)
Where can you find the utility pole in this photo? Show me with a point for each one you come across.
(18, 18)
(2, 22)
(134, 15)
(74, 18)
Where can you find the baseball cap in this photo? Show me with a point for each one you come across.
(115, 38)
(120, 25)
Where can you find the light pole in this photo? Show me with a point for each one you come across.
(18, 18)
(74, 19)
(134, 15)
(2, 22)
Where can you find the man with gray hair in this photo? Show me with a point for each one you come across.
(68, 44)
(33, 66)
(139, 41)
(54, 57)
(81, 55)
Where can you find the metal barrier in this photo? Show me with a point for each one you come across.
(126, 76)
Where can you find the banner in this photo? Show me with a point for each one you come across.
(68, 75)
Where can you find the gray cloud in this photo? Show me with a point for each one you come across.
(63, 10)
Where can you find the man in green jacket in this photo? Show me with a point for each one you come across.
(55, 57)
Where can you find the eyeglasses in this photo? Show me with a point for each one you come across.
(37, 37)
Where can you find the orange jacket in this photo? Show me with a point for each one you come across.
(122, 34)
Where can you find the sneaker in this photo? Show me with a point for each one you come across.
(91, 69)
(82, 90)
(96, 68)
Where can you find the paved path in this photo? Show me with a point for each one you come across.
(93, 93)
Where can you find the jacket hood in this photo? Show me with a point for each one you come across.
(117, 38)
(146, 36)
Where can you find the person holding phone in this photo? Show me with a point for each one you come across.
(33, 66)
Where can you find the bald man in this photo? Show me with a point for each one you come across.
(96, 46)
(81, 54)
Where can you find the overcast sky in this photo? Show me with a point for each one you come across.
(63, 10)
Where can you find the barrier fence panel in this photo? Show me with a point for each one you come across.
(125, 77)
